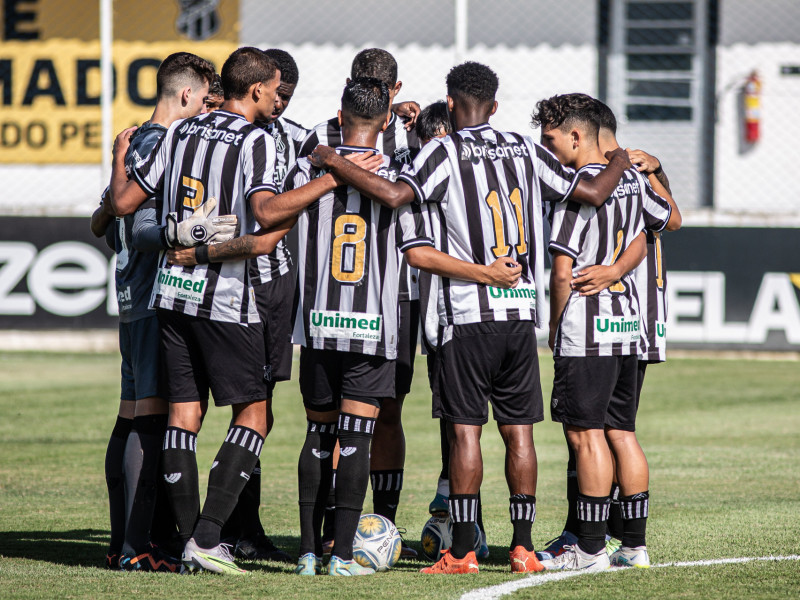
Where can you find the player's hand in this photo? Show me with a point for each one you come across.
(322, 156)
(620, 155)
(644, 162)
(594, 279)
(371, 161)
(123, 140)
(503, 273)
(408, 111)
(200, 228)
(181, 255)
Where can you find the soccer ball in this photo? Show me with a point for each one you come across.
(437, 535)
(377, 543)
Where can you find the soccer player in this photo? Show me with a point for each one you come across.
(480, 191)
(595, 338)
(212, 337)
(134, 449)
(215, 96)
(399, 141)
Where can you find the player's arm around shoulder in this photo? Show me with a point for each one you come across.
(652, 169)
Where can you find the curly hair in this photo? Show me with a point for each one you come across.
(377, 63)
(433, 121)
(472, 81)
(565, 111)
(365, 98)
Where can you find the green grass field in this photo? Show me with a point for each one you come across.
(722, 438)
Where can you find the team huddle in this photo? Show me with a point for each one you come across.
(239, 233)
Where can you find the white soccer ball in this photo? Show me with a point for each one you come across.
(377, 543)
(437, 535)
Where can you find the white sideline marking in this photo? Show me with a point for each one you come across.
(496, 591)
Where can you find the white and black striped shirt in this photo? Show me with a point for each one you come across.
(608, 323)
(288, 137)
(216, 155)
(650, 278)
(348, 268)
(482, 192)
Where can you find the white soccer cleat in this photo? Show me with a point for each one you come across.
(575, 559)
(631, 557)
(217, 559)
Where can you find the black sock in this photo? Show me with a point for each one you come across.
(179, 468)
(571, 523)
(314, 472)
(480, 513)
(164, 529)
(229, 473)
(463, 514)
(522, 509)
(615, 522)
(634, 510)
(592, 518)
(329, 519)
(115, 452)
(386, 488)
(142, 455)
(445, 447)
(355, 436)
(248, 505)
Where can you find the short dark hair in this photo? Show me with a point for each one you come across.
(215, 89)
(243, 68)
(377, 63)
(179, 70)
(472, 81)
(365, 98)
(565, 111)
(605, 117)
(286, 65)
(433, 120)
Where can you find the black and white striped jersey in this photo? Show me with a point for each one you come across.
(481, 194)
(348, 268)
(288, 137)
(650, 279)
(608, 323)
(216, 155)
(394, 141)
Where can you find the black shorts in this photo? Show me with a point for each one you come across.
(640, 381)
(406, 346)
(201, 355)
(493, 362)
(595, 392)
(327, 376)
(274, 300)
(139, 345)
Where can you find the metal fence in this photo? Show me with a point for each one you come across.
(711, 87)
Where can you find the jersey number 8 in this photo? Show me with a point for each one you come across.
(349, 248)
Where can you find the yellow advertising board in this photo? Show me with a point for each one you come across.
(50, 68)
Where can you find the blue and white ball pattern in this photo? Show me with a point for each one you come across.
(377, 543)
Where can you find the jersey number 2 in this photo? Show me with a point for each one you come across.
(501, 248)
(350, 233)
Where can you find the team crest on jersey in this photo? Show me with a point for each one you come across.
(198, 19)
(279, 145)
(403, 155)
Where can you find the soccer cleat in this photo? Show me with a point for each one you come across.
(438, 505)
(309, 564)
(631, 557)
(347, 568)
(575, 559)
(406, 551)
(260, 548)
(154, 560)
(217, 559)
(523, 561)
(556, 546)
(612, 545)
(483, 551)
(449, 565)
(111, 562)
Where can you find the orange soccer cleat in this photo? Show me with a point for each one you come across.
(450, 565)
(523, 561)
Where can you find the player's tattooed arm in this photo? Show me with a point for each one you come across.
(503, 273)
(392, 194)
(595, 191)
(596, 278)
(240, 248)
(560, 277)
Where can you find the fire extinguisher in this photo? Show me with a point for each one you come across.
(752, 108)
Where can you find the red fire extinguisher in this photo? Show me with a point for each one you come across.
(752, 108)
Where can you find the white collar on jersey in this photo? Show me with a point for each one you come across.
(478, 127)
(357, 149)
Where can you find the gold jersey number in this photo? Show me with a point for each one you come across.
(501, 247)
(349, 248)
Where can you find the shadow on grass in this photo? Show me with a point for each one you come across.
(76, 547)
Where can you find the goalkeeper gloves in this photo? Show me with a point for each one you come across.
(200, 228)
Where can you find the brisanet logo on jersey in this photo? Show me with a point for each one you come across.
(181, 286)
(345, 325)
(475, 152)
